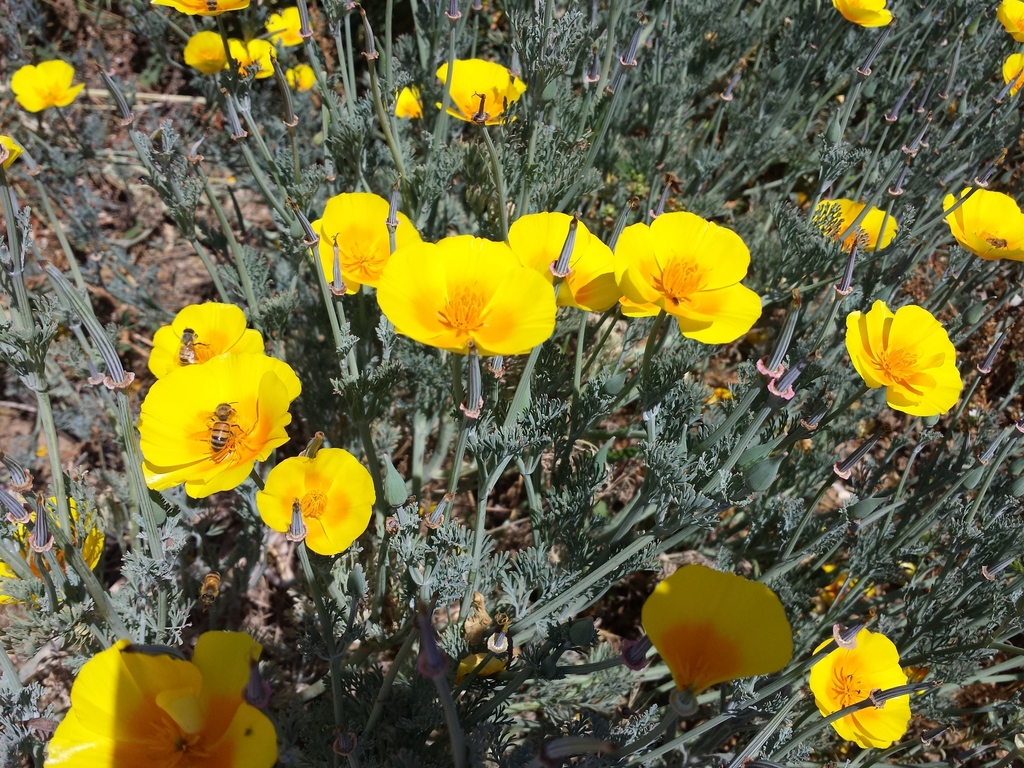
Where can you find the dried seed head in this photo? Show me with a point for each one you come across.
(21, 478)
(41, 540)
(18, 512)
(844, 641)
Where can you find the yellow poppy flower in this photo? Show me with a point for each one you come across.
(1012, 72)
(481, 90)
(206, 425)
(134, 705)
(409, 103)
(284, 27)
(869, 234)
(254, 53)
(465, 289)
(1011, 15)
(691, 268)
(988, 224)
(537, 240)
(301, 77)
(334, 491)
(44, 85)
(200, 332)
(205, 51)
(471, 662)
(92, 546)
(866, 13)
(204, 7)
(710, 627)
(355, 222)
(13, 150)
(909, 353)
(848, 676)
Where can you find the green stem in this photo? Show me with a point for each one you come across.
(581, 337)
(229, 237)
(521, 397)
(499, 181)
(210, 268)
(389, 681)
(441, 125)
(65, 246)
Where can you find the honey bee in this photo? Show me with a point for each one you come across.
(996, 242)
(222, 430)
(211, 5)
(210, 589)
(187, 350)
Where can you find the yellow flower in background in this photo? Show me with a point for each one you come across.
(988, 224)
(254, 53)
(137, 706)
(92, 545)
(284, 27)
(866, 13)
(537, 240)
(206, 425)
(848, 676)
(1013, 72)
(355, 222)
(200, 332)
(334, 492)
(1011, 15)
(205, 51)
(869, 234)
(204, 7)
(691, 268)
(481, 90)
(465, 289)
(13, 150)
(710, 627)
(409, 103)
(909, 353)
(474, 660)
(301, 77)
(44, 85)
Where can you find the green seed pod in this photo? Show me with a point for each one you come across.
(582, 633)
(762, 474)
(1017, 466)
(601, 457)
(974, 314)
(1017, 489)
(865, 507)
(972, 28)
(614, 384)
(295, 230)
(832, 132)
(394, 486)
(972, 478)
(930, 421)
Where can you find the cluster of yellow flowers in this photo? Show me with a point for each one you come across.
(701, 622)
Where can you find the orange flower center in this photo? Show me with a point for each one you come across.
(898, 365)
(313, 504)
(699, 655)
(462, 312)
(366, 265)
(679, 280)
(847, 687)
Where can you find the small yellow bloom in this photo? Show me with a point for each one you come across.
(355, 222)
(718, 394)
(254, 53)
(206, 425)
(134, 705)
(710, 627)
(200, 332)
(334, 491)
(301, 77)
(537, 240)
(471, 662)
(409, 103)
(1013, 72)
(691, 268)
(92, 546)
(846, 677)
(204, 7)
(205, 51)
(988, 224)
(909, 353)
(869, 234)
(1011, 15)
(13, 150)
(284, 27)
(866, 13)
(467, 290)
(44, 85)
(481, 90)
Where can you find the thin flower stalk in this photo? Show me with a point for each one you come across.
(229, 237)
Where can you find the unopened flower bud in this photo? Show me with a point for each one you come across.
(119, 100)
(314, 445)
(41, 540)
(21, 478)
(17, 512)
(394, 485)
(234, 123)
(193, 151)
(369, 46)
(297, 530)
